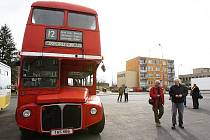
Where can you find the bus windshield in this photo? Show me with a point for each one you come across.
(82, 21)
(48, 17)
(40, 72)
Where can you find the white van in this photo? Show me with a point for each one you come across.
(5, 85)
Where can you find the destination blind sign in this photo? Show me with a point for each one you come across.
(71, 36)
(71, 39)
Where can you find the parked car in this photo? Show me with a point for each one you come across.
(137, 89)
(114, 89)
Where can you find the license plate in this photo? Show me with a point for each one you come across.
(61, 132)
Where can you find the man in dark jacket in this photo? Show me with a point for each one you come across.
(177, 93)
(195, 94)
(119, 99)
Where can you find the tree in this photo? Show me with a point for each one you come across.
(8, 52)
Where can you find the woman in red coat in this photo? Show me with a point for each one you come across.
(157, 95)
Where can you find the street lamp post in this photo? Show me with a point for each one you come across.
(180, 65)
(163, 80)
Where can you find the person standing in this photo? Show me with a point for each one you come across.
(186, 91)
(195, 94)
(177, 93)
(126, 93)
(119, 99)
(157, 95)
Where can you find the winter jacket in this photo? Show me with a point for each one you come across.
(195, 91)
(154, 95)
(177, 90)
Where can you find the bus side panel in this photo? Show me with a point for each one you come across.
(34, 38)
(92, 43)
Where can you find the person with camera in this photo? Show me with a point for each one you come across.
(157, 98)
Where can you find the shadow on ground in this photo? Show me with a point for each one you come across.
(201, 110)
(163, 134)
(186, 135)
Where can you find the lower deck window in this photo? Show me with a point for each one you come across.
(80, 79)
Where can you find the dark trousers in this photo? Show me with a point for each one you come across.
(158, 112)
(119, 98)
(126, 97)
(180, 108)
(185, 103)
(195, 102)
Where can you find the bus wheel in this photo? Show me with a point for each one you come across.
(97, 128)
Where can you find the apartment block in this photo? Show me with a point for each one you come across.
(150, 69)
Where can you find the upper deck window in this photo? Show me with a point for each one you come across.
(48, 17)
(82, 21)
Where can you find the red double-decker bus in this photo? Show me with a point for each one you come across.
(57, 83)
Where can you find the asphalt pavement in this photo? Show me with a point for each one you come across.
(128, 121)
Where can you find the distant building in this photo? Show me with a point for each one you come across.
(148, 70)
(102, 85)
(197, 73)
(127, 78)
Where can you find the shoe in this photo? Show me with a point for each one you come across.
(173, 127)
(181, 126)
(158, 125)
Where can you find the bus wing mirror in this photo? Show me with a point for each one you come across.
(103, 67)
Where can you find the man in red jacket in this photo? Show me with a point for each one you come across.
(157, 95)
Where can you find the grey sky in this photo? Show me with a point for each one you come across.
(131, 28)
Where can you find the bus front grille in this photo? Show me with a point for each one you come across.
(61, 116)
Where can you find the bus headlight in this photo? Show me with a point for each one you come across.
(26, 113)
(93, 111)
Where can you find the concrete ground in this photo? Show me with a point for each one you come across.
(128, 121)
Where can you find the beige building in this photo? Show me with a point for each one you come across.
(148, 70)
(201, 71)
(127, 78)
(197, 73)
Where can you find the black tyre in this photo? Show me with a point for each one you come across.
(99, 127)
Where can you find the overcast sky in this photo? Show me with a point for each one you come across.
(131, 28)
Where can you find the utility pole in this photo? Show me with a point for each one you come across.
(163, 80)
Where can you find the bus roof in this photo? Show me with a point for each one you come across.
(63, 5)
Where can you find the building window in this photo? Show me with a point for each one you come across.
(157, 75)
(142, 61)
(143, 68)
(157, 68)
(149, 61)
(156, 61)
(149, 68)
(150, 75)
